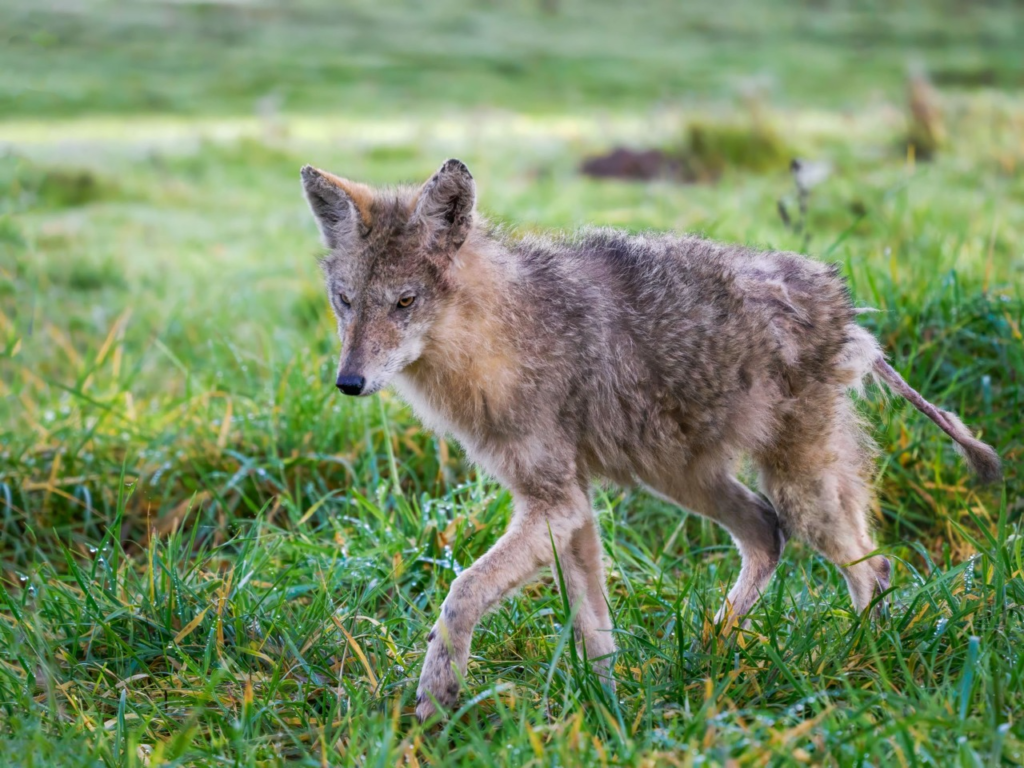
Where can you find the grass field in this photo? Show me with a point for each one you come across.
(209, 557)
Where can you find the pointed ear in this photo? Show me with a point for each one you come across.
(341, 207)
(444, 207)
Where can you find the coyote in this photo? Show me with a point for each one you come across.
(651, 359)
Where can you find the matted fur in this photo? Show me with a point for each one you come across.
(642, 359)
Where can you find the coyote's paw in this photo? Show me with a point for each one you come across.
(883, 580)
(439, 680)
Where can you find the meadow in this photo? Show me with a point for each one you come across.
(210, 557)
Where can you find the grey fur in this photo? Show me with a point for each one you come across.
(332, 206)
(642, 359)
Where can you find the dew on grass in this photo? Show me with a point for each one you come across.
(969, 574)
(160, 472)
(22, 579)
(450, 561)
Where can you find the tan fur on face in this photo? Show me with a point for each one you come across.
(469, 367)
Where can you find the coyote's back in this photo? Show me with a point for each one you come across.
(679, 345)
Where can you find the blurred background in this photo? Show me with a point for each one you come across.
(167, 353)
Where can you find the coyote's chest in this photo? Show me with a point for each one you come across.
(471, 401)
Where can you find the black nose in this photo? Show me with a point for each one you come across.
(351, 385)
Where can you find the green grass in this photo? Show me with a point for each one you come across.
(208, 557)
(112, 56)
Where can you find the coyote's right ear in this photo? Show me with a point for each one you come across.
(341, 207)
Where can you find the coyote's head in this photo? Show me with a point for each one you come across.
(387, 273)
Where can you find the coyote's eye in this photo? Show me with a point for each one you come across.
(343, 298)
(406, 301)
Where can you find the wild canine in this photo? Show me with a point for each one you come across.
(650, 359)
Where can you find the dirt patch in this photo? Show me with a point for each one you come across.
(705, 153)
(626, 163)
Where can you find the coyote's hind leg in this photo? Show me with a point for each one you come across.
(818, 478)
(748, 518)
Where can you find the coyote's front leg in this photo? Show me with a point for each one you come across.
(517, 555)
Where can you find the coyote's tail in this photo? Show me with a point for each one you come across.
(983, 460)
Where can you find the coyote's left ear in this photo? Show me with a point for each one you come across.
(341, 207)
(444, 207)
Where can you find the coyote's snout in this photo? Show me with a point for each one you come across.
(657, 360)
